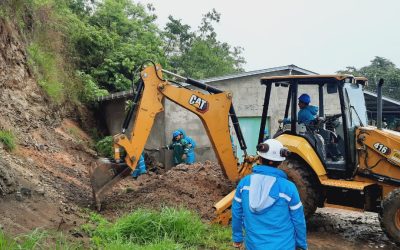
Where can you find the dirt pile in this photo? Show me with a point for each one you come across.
(196, 187)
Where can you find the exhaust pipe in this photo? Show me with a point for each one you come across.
(379, 103)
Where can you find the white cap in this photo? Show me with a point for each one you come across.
(273, 152)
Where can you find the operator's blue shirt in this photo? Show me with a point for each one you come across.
(267, 207)
(305, 115)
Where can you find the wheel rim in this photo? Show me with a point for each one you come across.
(397, 219)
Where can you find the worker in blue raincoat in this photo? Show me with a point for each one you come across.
(307, 113)
(267, 206)
(180, 147)
(191, 157)
(140, 167)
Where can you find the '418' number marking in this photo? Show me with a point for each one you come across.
(382, 148)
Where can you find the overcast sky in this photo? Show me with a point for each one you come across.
(318, 35)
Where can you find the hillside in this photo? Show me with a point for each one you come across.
(44, 182)
(42, 178)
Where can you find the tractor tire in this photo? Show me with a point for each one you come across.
(389, 216)
(306, 183)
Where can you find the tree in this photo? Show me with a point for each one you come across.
(379, 68)
(111, 38)
(115, 40)
(199, 54)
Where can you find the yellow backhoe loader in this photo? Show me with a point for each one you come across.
(337, 160)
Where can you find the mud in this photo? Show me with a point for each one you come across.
(332, 228)
(196, 187)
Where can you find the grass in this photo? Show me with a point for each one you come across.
(169, 228)
(142, 229)
(44, 64)
(28, 241)
(8, 139)
(6, 242)
(37, 239)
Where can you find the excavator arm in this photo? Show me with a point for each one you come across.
(213, 109)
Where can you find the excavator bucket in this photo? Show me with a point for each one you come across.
(104, 174)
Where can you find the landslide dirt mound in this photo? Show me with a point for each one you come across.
(47, 182)
(196, 187)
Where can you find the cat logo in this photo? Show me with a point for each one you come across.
(199, 103)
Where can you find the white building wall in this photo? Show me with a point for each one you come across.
(248, 100)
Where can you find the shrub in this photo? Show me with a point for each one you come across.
(8, 139)
(104, 147)
(90, 89)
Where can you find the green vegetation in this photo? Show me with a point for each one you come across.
(8, 139)
(44, 66)
(379, 68)
(104, 147)
(166, 229)
(142, 229)
(198, 53)
(28, 241)
(37, 239)
(82, 49)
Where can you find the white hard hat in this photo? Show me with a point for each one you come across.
(272, 150)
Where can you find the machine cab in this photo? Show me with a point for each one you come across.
(328, 122)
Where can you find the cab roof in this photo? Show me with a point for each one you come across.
(314, 79)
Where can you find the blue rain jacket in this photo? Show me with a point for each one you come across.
(189, 151)
(179, 148)
(140, 167)
(267, 207)
(305, 115)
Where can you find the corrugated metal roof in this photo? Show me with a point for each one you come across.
(388, 99)
(258, 72)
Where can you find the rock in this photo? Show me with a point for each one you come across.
(77, 234)
(40, 191)
(30, 161)
(200, 169)
(8, 183)
(26, 192)
(18, 196)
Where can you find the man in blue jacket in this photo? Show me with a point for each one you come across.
(182, 147)
(267, 205)
(307, 112)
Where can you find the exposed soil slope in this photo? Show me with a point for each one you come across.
(44, 179)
